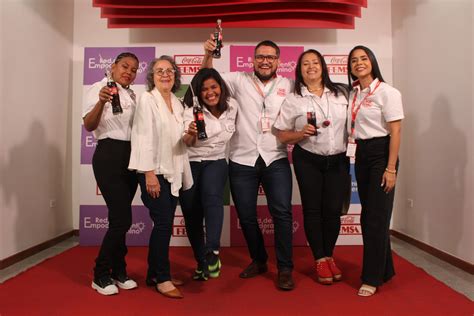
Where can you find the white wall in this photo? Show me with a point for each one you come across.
(373, 30)
(432, 61)
(35, 160)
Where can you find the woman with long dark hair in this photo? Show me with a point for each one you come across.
(374, 126)
(319, 155)
(205, 199)
(116, 183)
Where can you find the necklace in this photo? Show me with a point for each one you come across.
(315, 89)
(326, 121)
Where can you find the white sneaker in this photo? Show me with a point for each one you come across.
(125, 283)
(105, 286)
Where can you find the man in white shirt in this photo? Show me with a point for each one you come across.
(257, 157)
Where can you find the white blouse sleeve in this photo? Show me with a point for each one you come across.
(392, 107)
(287, 117)
(143, 137)
(91, 98)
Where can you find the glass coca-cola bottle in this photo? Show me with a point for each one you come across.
(116, 107)
(218, 40)
(311, 118)
(199, 119)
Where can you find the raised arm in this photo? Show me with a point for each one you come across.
(209, 47)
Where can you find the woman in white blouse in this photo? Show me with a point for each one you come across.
(374, 126)
(160, 159)
(116, 183)
(319, 155)
(205, 200)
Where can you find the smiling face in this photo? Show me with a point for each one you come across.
(210, 92)
(163, 76)
(311, 69)
(361, 67)
(265, 62)
(125, 71)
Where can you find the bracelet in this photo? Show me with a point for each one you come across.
(391, 171)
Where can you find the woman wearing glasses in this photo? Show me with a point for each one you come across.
(160, 159)
(116, 183)
(319, 155)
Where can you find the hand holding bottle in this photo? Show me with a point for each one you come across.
(192, 129)
(105, 95)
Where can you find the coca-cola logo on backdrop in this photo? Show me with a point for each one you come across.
(188, 65)
(337, 64)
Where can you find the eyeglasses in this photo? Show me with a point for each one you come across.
(270, 58)
(161, 72)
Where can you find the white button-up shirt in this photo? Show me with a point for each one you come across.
(249, 141)
(115, 126)
(383, 104)
(331, 140)
(218, 130)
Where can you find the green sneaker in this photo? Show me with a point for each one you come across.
(201, 274)
(214, 265)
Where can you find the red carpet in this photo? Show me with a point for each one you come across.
(61, 286)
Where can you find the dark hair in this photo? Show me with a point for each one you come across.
(376, 74)
(202, 75)
(268, 43)
(126, 54)
(333, 87)
(150, 83)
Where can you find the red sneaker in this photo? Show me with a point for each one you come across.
(336, 272)
(324, 272)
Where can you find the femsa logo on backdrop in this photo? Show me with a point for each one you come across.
(337, 64)
(188, 65)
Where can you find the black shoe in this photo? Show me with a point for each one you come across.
(201, 273)
(105, 285)
(255, 268)
(285, 280)
(124, 282)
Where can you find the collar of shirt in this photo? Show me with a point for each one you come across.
(305, 92)
(370, 88)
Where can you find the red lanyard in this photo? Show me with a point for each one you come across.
(354, 113)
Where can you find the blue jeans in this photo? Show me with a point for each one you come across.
(276, 180)
(205, 200)
(162, 211)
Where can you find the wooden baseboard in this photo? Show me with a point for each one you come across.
(35, 249)
(461, 264)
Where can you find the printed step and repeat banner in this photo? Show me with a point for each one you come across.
(93, 211)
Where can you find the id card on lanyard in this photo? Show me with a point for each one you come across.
(264, 120)
(351, 144)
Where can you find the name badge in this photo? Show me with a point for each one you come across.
(351, 149)
(265, 123)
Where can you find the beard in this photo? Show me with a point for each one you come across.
(264, 78)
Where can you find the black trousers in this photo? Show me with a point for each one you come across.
(320, 180)
(370, 164)
(118, 186)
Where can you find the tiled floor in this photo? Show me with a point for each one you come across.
(455, 278)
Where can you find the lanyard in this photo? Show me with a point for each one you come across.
(264, 96)
(355, 110)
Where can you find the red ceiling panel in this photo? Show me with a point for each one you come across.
(235, 14)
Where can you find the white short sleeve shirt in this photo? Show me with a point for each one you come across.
(379, 103)
(249, 141)
(115, 126)
(218, 130)
(332, 139)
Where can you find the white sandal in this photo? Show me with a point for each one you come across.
(367, 290)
